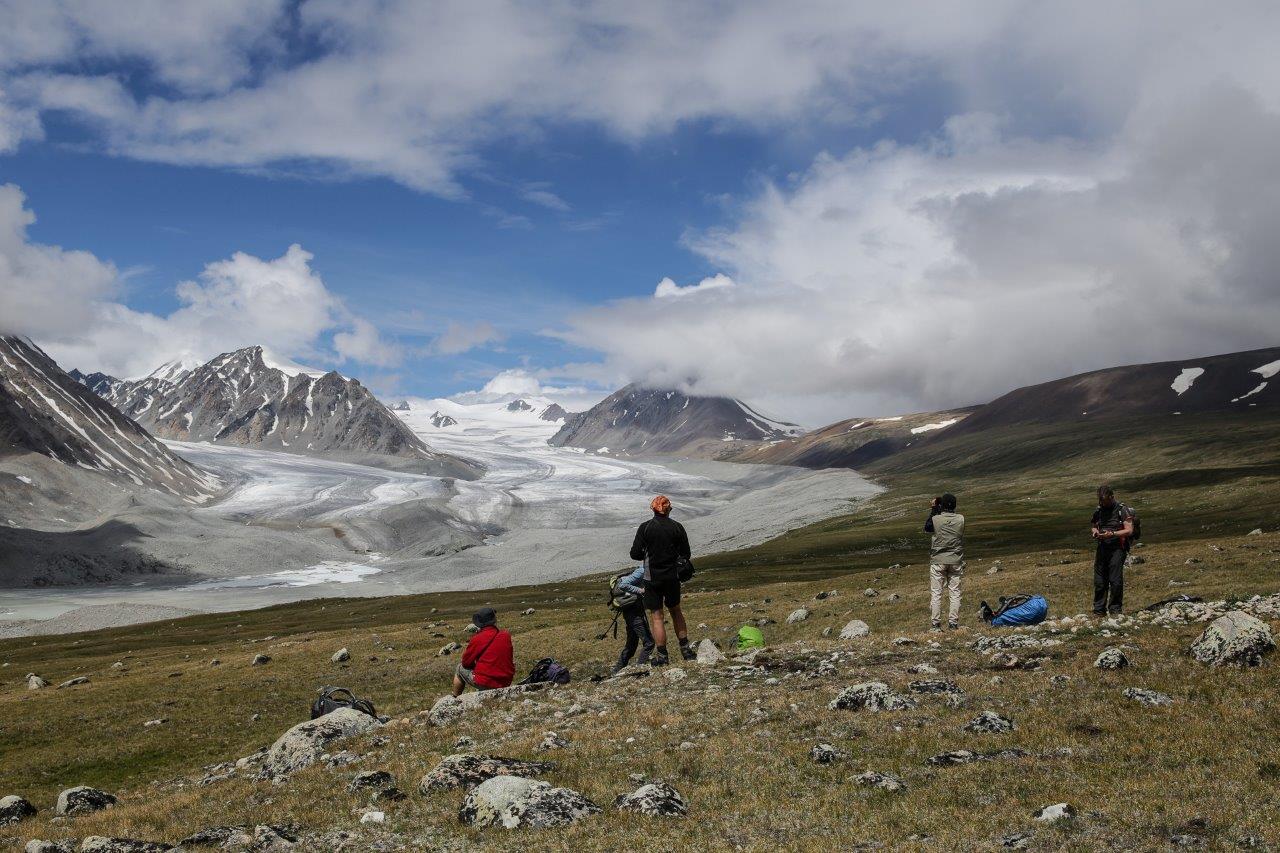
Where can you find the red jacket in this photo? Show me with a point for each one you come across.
(489, 657)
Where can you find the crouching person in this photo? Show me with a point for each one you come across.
(629, 599)
(488, 661)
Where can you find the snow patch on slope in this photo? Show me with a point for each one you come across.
(1184, 380)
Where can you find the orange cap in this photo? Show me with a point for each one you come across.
(661, 505)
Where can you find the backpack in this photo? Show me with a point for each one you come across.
(547, 669)
(1020, 609)
(333, 698)
(618, 599)
(749, 637)
(1137, 523)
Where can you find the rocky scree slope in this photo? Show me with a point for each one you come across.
(636, 420)
(245, 398)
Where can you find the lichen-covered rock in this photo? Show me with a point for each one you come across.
(923, 669)
(103, 844)
(341, 656)
(14, 809)
(656, 799)
(1112, 658)
(989, 722)
(371, 780)
(1147, 697)
(798, 615)
(708, 654)
(467, 770)
(302, 745)
(74, 682)
(35, 682)
(262, 838)
(871, 696)
(825, 753)
(965, 756)
(1234, 639)
(883, 781)
(553, 740)
(37, 845)
(449, 709)
(935, 686)
(1057, 811)
(514, 801)
(854, 629)
(447, 649)
(260, 660)
(83, 800)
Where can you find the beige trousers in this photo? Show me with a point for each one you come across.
(948, 576)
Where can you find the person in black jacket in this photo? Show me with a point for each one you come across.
(661, 543)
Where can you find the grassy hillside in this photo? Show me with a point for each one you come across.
(1200, 485)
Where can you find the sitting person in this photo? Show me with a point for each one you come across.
(487, 662)
(633, 616)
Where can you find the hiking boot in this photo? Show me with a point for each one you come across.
(659, 660)
(935, 628)
(688, 653)
(953, 626)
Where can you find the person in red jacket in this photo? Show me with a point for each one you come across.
(487, 662)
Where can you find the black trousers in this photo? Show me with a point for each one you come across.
(637, 624)
(1108, 578)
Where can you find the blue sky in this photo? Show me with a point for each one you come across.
(473, 190)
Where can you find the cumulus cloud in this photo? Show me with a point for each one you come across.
(668, 288)
(463, 337)
(521, 382)
(914, 277)
(67, 300)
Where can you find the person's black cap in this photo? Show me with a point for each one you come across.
(485, 617)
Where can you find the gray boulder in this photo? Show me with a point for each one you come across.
(513, 801)
(371, 780)
(989, 722)
(467, 770)
(35, 682)
(73, 682)
(870, 696)
(448, 709)
(36, 845)
(825, 753)
(883, 781)
(1057, 811)
(798, 615)
(708, 654)
(302, 745)
(1147, 697)
(854, 629)
(656, 799)
(260, 660)
(14, 809)
(447, 649)
(83, 800)
(262, 838)
(102, 844)
(935, 686)
(1112, 658)
(552, 740)
(1234, 639)
(341, 656)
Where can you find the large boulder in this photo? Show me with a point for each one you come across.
(1112, 658)
(102, 844)
(798, 615)
(35, 682)
(466, 771)
(883, 781)
(1147, 697)
(656, 799)
(854, 629)
(448, 709)
(1235, 638)
(14, 809)
(989, 722)
(263, 837)
(83, 800)
(513, 801)
(37, 845)
(871, 696)
(302, 745)
(708, 654)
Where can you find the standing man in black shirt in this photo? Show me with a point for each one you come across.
(1113, 530)
(663, 544)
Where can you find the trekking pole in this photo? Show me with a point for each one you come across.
(614, 626)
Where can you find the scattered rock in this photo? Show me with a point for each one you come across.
(1057, 811)
(965, 756)
(35, 682)
(341, 656)
(14, 809)
(871, 696)
(388, 795)
(883, 781)
(83, 800)
(893, 596)
(371, 780)
(854, 629)
(102, 844)
(1257, 531)
(674, 673)
(470, 629)
(260, 659)
(373, 817)
(528, 612)
(1146, 697)
(35, 845)
(302, 745)
(903, 641)
(151, 724)
(72, 682)
(935, 686)
(989, 722)
(798, 615)
(551, 740)
(870, 593)
(1234, 639)
(513, 801)
(656, 799)
(1017, 840)
(923, 669)
(708, 654)
(467, 770)
(1111, 658)
(825, 753)
(447, 649)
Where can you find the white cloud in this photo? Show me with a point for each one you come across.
(66, 300)
(668, 288)
(520, 382)
(463, 337)
(915, 277)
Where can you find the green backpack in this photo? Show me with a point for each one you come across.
(618, 598)
(749, 637)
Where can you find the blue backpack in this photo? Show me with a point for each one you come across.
(1021, 610)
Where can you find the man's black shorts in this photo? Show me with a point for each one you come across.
(662, 591)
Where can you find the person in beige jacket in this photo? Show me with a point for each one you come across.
(946, 559)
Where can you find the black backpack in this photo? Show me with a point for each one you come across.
(1137, 523)
(548, 669)
(333, 698)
